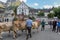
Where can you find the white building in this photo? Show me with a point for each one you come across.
(6, 16)
(23, 9)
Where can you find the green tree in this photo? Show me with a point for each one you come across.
(50, 15)
(15, 10)
(40, 13)
(57, 12)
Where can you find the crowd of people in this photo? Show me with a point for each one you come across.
(54, 25)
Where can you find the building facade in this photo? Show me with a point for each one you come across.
(23, 9)
(6, 16)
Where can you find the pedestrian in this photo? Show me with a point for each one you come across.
(58, 26)
(29, 26)
(43, 25)
(50, 23)
(54, 25)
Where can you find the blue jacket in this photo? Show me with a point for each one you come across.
(58, 24)
(29, 23)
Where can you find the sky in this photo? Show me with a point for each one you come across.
(41, 3)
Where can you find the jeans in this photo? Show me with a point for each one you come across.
(58, 29)
(43, 27)
(29, 31)
(54, 28)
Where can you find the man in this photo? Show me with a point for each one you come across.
(43, 25)
(58, 26)
(29, 26)
(54, 25)
(50, 23)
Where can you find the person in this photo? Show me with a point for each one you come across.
(43, 25)
(58, 26)
(50, 23)
(29, 26)
(54, 25)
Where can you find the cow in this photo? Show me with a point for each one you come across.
(5, 26)
(21, 25)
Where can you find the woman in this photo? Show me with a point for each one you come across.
(43, 25)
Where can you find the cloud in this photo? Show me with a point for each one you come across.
(56, 5)
(23, 0)
(47, 6)
(36, 4)
(50, 6)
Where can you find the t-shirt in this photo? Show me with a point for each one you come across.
(29, 23)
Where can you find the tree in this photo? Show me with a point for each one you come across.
(40, 13)
(50, 15)
(15, 10)
(57, 12)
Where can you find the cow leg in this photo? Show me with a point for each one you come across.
(37, 29)
(14, 34)
(9, 32)
(0, 36)
(22, 30)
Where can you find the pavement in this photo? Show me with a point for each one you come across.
(47, 34)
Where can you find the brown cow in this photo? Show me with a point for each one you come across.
(21, 25)
(5, 26)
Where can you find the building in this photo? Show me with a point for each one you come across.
(1, 13)
(23, 9)
(6, 15)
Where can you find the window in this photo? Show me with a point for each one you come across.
(22, 10)
(25, 10)
(19, 10)
(6, 20)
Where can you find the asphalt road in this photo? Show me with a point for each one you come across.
(47, 34)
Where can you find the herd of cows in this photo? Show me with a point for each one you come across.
(15, 26)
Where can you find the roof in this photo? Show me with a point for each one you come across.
(24, 4)
(46, 10)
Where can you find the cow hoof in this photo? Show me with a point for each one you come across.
(15, 37)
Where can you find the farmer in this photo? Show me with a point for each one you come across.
(29, 26)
